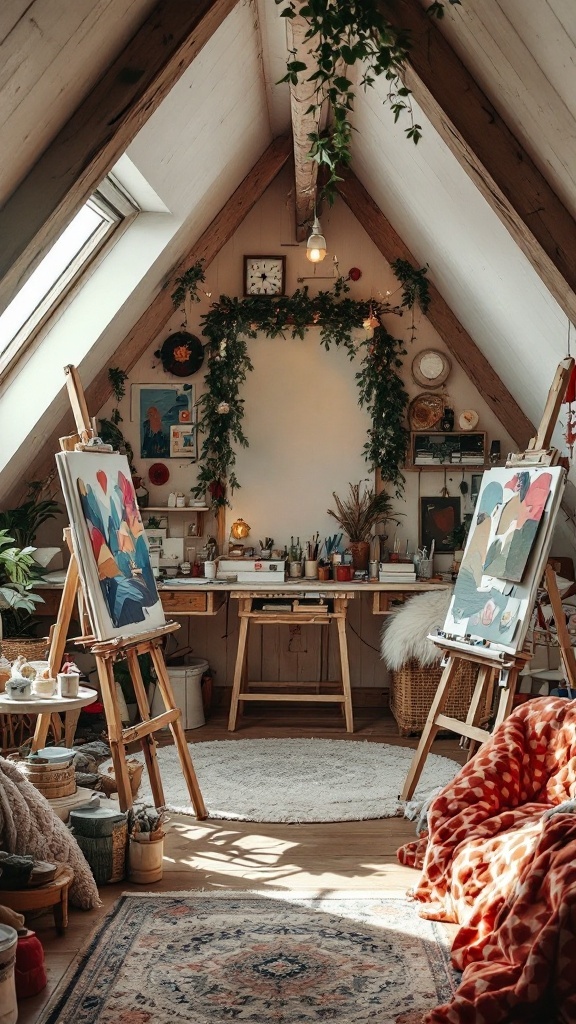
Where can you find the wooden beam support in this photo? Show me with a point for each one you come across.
(302, 96)
(488, 151)
(161, 308)
(461, 345)
(100, 130)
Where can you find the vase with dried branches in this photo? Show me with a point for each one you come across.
(359, 514)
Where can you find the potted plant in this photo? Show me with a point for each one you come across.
(19, 571)
(358, 514)
(145, 844)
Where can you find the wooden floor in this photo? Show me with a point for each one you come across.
(248, 855)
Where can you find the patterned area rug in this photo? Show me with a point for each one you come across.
(273, 958)
(285, 780)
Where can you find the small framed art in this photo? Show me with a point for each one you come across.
(183, 442)
(439, 517)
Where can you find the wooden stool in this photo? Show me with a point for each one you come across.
(54, 894)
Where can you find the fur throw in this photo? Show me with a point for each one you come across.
(29, 826)
(405, 631)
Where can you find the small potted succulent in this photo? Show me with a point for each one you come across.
(145, 844)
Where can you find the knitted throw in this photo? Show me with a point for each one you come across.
(29, 826)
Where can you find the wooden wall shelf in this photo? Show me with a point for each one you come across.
(441, 447)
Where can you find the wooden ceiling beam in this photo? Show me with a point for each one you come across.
(302, 96)
(100, 130)
(161, 308)
(488, 151)
(461, 345)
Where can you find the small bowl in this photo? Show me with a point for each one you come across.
(170, 570)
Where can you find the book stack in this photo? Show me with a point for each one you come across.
(397, 572)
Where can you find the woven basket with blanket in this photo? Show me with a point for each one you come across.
(414, 663)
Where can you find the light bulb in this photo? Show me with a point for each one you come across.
(316, 244)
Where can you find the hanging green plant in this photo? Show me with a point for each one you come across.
(356, 32)
(109, 429)
(231, 322)
(415, 289)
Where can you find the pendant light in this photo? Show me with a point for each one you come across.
(316, 244)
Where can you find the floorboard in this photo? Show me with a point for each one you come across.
(357, 855)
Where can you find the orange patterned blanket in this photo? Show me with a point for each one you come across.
(497, 862)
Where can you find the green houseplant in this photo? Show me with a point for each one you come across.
(18, 569)
(358, 514)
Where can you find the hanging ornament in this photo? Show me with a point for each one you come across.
(354, 273)
(222, 408)
(370, 321)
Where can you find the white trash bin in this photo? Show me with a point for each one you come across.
(187, 685)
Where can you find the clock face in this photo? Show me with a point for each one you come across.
(264, 275)
(430, 368)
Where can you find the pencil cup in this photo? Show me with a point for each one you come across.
(426, 568)
(324, 572)
(295, 570)
(311, 569)
(373, 570)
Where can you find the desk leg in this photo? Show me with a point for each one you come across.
(340, 606)
(239, 667)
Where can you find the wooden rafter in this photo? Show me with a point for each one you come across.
(302, 96)
(100, 130)
(161, 308)
(488, 151)
(461, 345)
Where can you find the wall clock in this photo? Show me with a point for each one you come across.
(430, 368)
(264, 275)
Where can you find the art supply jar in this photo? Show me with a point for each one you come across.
(426, 568)
(68, 684)
(210, 570)
(324, 573)
(295, 570)
(44, 686)
(311, 569)
(373, 570)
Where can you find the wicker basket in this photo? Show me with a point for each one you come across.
(413, 689)
(28, 647)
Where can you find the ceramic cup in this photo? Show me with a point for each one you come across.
(210, 570)
(295, 570)
(68, 684)
(344, 573)
(324, 572)
(311, 569)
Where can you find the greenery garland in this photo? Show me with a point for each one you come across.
(230, 322)
(343, 33)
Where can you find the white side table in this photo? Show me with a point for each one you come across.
(49, 710)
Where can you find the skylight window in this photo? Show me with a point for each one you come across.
(60, 268)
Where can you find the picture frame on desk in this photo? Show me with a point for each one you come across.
(439, 517)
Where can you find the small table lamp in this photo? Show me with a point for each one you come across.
(238, 531)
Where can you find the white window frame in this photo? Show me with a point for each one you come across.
(112, 201)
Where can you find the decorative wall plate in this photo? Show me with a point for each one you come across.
(158, 474)
(425, 411)
(181, 354)
(468, 420)
(430, 368)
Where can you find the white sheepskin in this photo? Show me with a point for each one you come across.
(405, 631)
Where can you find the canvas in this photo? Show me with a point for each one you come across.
(183, 442)
(110, 544)
(157, 408)
(505, 555)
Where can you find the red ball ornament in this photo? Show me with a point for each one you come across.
(354, 273)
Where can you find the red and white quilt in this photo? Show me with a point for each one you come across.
(500, 865)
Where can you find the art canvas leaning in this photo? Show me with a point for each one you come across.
(110, 544)
(508, 544)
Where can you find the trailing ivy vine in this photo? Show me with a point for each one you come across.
(109, 429)
(343, 323)
(343, 33)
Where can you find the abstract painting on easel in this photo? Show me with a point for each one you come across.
(110, 543)
(507, 547)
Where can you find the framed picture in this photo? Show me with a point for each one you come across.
(157, 408)
(439, 517)
(183, 442)
(475, 484)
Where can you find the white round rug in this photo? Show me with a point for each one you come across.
(303, 780)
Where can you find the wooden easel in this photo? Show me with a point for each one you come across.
(127, 648)
(505, 667)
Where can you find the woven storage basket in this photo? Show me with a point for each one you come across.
(413, 688)
(27, 647)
